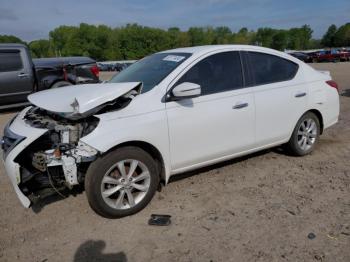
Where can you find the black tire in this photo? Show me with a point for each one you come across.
(100, 167)
(293, 146)
(60, 84)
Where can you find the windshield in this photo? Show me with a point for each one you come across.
(151, 69)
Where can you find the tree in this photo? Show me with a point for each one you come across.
(342, 36)
(244, 37)
(264, 36)
(222, 35)
(134, 41)
(40, 48)
(328, 39)
(280, 40)
(10, 39)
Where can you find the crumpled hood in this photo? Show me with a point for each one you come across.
(79, 99)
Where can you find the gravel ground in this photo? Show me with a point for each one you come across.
(257, 208)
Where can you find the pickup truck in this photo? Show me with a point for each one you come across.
(20, 75)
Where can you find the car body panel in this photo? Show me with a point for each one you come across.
(79, 98)
(201, 129)
(19, 127)
(16, 85)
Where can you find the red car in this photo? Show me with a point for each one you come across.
(331, 56)
(344, 55)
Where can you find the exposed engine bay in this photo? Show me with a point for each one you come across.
(58, 160)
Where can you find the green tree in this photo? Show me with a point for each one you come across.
(264, 36)
(328, 39)
(40, 48)
(222, 35)
(342, 36)
(280, 40)
(244, 37)
(10, 39)
(299, 38)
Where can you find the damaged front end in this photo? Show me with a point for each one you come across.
(42, 146)
(58, 159)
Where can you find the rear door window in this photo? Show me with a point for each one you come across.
(266, 68)
(10, 61)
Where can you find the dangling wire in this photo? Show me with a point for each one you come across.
(51, 183)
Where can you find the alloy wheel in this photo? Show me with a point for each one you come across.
(307, 134)
(125, 184)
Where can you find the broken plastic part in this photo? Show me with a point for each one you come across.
(159, 220)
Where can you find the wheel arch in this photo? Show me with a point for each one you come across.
(319, 116)
(60, 80)
(150, 149)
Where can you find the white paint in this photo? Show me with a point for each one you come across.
(79, 98)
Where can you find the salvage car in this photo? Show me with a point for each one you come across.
(20, 75)
(168, 113)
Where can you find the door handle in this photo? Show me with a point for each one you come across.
(22, 75)
(300, 94)
(240, 105)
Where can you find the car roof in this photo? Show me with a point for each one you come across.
(11, 45)
(52, 61)
(199, 50)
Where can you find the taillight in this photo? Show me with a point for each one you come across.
(94, 69)
(333, 84)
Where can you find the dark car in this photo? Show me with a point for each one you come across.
(20, 75)
(302, 56)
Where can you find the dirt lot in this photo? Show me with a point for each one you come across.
(257, 208)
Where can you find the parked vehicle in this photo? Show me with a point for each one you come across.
(344, 55)
(171, 112)
(302, 56)
(20, 75)
(327, 56)
(103, 67)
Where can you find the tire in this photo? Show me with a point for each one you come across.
(60, 84)
(104, 176)
(305, 135)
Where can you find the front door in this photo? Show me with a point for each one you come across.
(217, 124)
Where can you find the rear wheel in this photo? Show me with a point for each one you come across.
(122, 182)
(305, 135)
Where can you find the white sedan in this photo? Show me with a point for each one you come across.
(168, 113)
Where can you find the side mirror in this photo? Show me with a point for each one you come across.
(185, 90)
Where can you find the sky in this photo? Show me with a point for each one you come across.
(34, 19)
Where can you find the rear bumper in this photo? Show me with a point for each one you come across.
(13, 170)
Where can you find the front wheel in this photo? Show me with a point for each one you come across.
(305, 135)
(122, 182)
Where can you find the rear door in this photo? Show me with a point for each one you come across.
(16, 77)
(280, 96)
(217, 124)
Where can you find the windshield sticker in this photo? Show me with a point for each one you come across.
(173, 58)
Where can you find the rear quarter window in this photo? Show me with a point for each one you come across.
(267, 69)
(10, 61)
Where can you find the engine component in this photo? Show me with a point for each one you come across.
(39, 161)
(60, 146)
